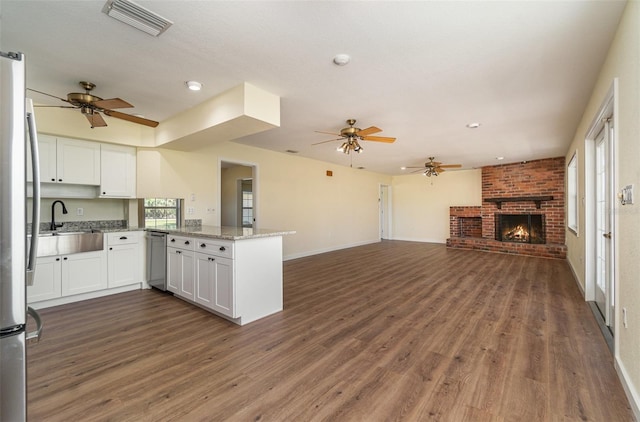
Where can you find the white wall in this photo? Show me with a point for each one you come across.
(421, 204)
(292, 193)
(623, 62)
(93, 209)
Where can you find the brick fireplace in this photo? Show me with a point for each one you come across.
(522, 211)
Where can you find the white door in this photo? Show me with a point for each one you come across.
(603, 235)
(384, 212)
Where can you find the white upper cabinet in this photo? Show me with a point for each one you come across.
(69, 161)
(118, 171)
(78, 162)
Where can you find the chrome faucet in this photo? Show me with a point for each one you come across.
(55, 225)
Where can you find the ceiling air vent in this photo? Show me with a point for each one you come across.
(136, 16)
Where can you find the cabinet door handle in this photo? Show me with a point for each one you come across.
(53, 180)
(222, 248)
(173, 240)
(57, 259)
(65, 258)
(110, 249)
(186, 242)
(203, 245)
(104, 193)
(123, 238)
(178, 252)
(211, 259)
(59, 180)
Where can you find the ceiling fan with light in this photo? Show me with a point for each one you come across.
(91, 106)
(433, 168)
(351, 135)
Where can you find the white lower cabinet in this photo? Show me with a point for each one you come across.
(58, 276)
(117, 268)
(83, 272)
(214, 283)
(240, 280)
(124, 257)
(47, 281)
(180, 266)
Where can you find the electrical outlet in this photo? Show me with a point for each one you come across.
(191, 210)
(79, 211)
(211, 210)
(193, 196)
(624, 317)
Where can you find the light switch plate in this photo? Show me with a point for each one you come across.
(626, 198)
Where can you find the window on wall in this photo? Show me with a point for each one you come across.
(572, 194)
(161, 213)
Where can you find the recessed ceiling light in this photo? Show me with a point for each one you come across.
(499, 158)
(341, 59)
(194, 85)
(403, 168)
(474, 125)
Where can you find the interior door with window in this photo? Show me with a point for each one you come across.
(603, 218)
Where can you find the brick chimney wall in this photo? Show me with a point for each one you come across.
(532, 178)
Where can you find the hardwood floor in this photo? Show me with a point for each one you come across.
(389, 331)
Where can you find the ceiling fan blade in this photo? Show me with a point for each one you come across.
(379, 139)
(328, 133)
(95, 119)
(450, 166)
(324, 142)
(112, 103)
(48, 95)
(130, 118)
(421, 167)
(42, 105)
(368, 131)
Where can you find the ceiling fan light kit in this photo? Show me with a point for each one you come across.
(136, 16)
(351, 135)
(433, 168)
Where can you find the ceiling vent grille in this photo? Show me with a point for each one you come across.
(137, 16)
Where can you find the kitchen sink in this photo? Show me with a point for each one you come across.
(63, 243)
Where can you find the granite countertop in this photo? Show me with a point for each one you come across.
(214, 232)
(228, 233)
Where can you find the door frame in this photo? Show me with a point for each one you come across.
(608, 110)
(254, 176)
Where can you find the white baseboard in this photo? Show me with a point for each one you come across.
(84, 296)
(325, 250)
(422, 240)
(629, 389)
(576, 279)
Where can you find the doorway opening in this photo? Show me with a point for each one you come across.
(238, 187)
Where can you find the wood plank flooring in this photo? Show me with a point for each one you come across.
(395, 331)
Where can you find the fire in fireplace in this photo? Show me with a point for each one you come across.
(520, 228)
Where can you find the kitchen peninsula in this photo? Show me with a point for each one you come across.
(234, 272)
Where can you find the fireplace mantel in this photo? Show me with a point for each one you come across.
(536, 199)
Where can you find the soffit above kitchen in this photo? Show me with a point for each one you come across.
(421, 71)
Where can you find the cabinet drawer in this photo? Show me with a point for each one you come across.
(215, 247)
(181, 242)
(122, 238)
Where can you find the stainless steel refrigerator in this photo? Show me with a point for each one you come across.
(17, 258)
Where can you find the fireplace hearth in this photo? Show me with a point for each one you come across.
(520, 228)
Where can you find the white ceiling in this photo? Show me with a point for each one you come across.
(419, 70)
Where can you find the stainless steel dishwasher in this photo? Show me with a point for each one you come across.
(157, 259)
